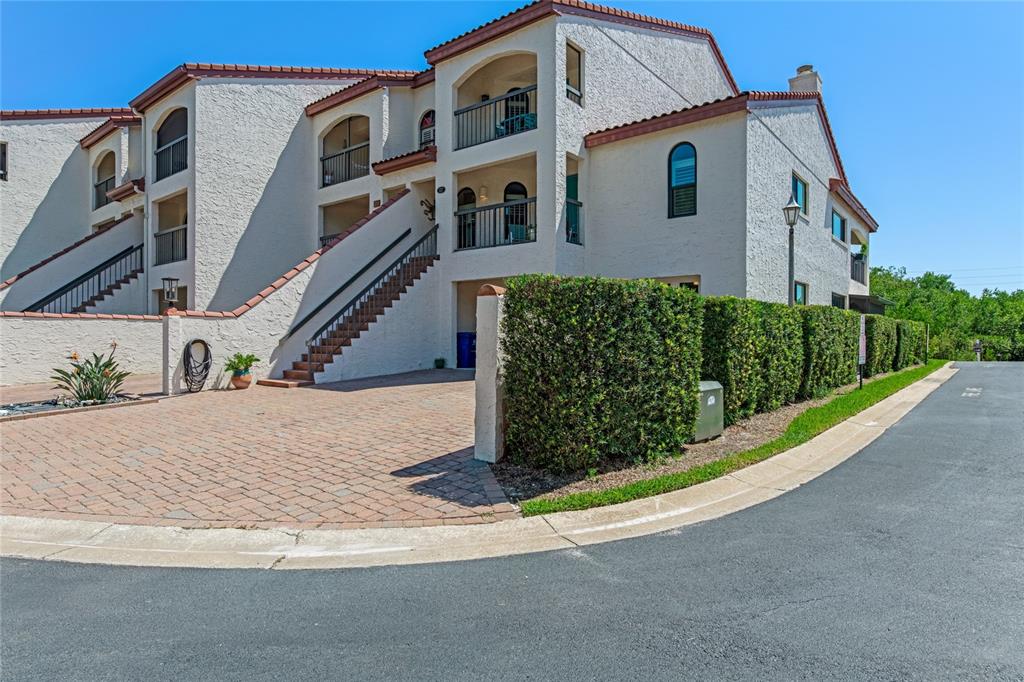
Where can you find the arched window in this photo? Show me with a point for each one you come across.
(172, 144)
(515, 191)
(466, 198)
(427, 129)
(346, 151)
(682, 181)
(104, 180)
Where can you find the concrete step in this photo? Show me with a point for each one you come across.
(283, 383)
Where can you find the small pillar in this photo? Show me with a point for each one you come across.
(171, 352)
(490, 412)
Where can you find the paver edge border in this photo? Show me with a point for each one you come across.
(164, 546)
(81, 408)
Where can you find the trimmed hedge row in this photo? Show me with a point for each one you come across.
(598, 368)
(831, 341)
(755, 350)
(880, 332)
(910, 344)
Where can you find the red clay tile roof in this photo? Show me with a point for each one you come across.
(717, 107)
(127, 189)
(91, 316)
(94, 112)
(541, 9)
(109, 126)
(180, 75)
(726, 105)
(11, 280)
(407, 160)
(302, 265)
(382, 79)
(843, 191)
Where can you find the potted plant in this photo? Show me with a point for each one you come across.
(239, 365)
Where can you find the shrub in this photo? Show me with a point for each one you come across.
(910, 344)
(733, 353)
(240, 363)
(598, 368)
(831, 339)
(881, 344)
(782, 354)
(95, 379)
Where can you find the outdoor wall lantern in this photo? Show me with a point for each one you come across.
(483, 192)
(792, 213)
(170, 289)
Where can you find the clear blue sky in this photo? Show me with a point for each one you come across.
(925, 98)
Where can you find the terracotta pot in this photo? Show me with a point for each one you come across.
(241, 380)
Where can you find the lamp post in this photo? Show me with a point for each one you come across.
(170, 291)
(792, 213)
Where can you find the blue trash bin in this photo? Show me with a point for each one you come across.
(466, 349)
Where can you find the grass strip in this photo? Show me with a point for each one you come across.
(803, 428)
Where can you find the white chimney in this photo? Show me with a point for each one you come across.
(805, 80)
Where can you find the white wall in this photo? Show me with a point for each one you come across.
(627, 230)
(254, 185)
(30, 347)
(821, 262)
(262, 329)
(44, 204)
(63, 269)
(116, 142)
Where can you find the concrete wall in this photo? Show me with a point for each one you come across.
(44, 204)
(30, 347)
(65, 268)
(263, 330)
(821, 261)
(627, 229)
(255, 182)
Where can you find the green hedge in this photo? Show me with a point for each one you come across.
(733, 348)
(910, 344)
(782, 359)
(831, 340)
(598, 368)
(880, 332)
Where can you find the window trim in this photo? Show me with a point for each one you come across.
(424, 143)
(807, 290)
(671, 187)
(843, 298)
(844, 229)
(805, 208)
(569, 87)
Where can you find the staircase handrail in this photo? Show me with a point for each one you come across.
(116, 259)
(349, 307)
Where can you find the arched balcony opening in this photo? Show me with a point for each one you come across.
(496, 205)
(497, 100)
(345, 151)
(104, 180)
(172, 144)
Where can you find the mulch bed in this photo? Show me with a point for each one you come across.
(524, 483)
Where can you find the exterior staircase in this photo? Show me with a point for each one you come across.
(330, 341)
(93, 286)
(107, 291)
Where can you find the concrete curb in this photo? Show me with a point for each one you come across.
(105, 543)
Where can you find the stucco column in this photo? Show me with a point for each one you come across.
(490, 412)
(172, 353)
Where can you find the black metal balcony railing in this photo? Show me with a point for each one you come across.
(171, 245)
(172, 158)
(512, 113)
(513, 222)
(100, 190)
(347, 164)
(325, 239)
(573, 221)
(858, 268)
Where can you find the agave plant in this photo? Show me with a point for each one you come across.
(96, 379)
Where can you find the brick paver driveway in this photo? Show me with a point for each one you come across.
(369, 453)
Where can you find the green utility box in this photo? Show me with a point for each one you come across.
(709, 417)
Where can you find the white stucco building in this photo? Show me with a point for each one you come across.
(338, 223)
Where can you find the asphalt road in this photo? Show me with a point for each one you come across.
(906, 561)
